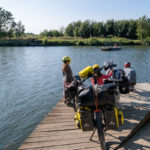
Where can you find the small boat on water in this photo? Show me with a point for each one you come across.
(110, 48)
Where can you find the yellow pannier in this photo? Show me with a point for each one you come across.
(85, 72)
(83, 119)
(114, 118)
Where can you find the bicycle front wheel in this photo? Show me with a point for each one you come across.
(100, 130)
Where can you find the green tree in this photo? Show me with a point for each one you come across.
(70, 30)
(132, 27)
(8, 27)
(6, 20)
(85, 29)
(11, 31)
(100, 28)
(94, 29)
(143, 27)
(62, 31)
(19, 29)
(121, 28)
(77, 25)
(44, 33)
(55, 33)
(51, 33)
(110, 27)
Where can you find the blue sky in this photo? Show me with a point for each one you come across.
(38, 15)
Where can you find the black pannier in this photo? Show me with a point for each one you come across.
(106, 95)
(86, 120)
(124, 85)
(71, 89)
(113, 118)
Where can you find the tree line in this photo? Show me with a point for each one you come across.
(8, 26)
(132, 29)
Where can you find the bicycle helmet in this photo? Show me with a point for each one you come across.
(127, 64)
(106, 64)
(66, 58)
(96, 66)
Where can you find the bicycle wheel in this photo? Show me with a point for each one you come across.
(75, 104)
(100, 131)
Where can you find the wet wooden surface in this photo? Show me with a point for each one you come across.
(59, 132)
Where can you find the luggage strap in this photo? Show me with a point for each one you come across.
(95, 91)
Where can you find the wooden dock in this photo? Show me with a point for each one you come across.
(59, 132)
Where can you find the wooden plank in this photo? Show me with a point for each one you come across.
(56, 138)
(59, 132)
(138, 127)
(75, 146)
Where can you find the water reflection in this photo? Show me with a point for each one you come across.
(31, 82)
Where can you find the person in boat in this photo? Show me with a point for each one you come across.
(67, 74)
(130, 73)
(98, 76)
(115, 45)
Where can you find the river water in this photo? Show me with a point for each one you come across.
(31, 82)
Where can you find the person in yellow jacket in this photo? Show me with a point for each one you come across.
(67, 74)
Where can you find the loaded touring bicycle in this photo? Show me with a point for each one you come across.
(96, 106)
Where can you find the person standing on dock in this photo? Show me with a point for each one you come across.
(130, 74)
(67, 74)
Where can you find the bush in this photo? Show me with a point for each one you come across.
(70, 42)
(80, 43)
(44, 41)
(93, 42)
(146, 41)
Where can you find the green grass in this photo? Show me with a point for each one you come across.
(38, 41)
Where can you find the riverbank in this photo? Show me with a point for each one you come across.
(68, 42)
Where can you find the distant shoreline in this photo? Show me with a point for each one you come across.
(70, 42)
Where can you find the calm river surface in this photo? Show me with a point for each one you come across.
(31, 82)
